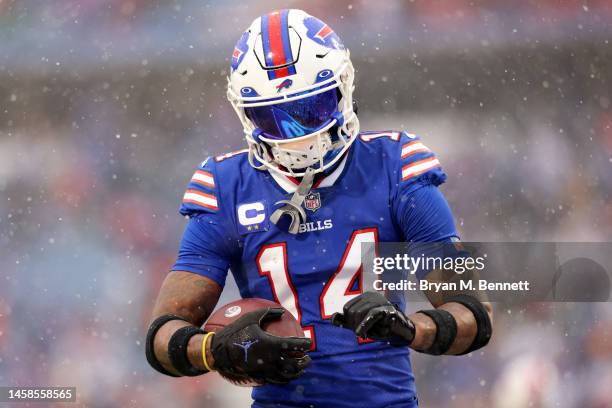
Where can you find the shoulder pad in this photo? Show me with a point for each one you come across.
(202, 191)
(418, 163)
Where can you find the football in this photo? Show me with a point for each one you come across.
(286, 326)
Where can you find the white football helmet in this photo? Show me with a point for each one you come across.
(291, 80)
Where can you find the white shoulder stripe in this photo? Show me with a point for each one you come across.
(413, 148)
(204, 178)
(200, 198)
(419, 167)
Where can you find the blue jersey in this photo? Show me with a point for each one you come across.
(384, 190)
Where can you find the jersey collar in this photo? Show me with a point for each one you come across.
(290, 184)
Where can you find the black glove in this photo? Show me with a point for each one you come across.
(371, 315)
(243, 350)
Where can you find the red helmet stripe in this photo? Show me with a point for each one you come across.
(276, 43)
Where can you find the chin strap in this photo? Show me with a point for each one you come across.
(293, 208)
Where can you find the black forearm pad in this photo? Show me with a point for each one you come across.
(149, 345)
(446, 331)
(177, 351)
(483, 321)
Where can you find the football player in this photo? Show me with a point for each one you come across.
(288, 216)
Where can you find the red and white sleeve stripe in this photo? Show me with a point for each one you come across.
(201, 198)
(413, 148)
(419, 167)
(203, 178)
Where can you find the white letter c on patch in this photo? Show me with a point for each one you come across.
(252, 213)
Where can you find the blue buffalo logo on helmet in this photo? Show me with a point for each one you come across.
(240, 50)
(321, 33)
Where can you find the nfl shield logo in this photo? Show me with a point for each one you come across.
(312, 201)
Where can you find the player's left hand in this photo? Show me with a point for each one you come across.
(371, 315)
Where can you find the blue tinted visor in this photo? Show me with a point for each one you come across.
(296, 118)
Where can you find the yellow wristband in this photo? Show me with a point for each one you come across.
(206, 336)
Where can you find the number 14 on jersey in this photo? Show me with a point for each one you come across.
(272, 262)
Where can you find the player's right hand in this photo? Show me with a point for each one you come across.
(244, 349)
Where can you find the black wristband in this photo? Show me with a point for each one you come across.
(483, 321)
(149, 343)
(446, 331)
(177, 351)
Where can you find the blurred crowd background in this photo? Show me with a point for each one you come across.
(107, 106)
